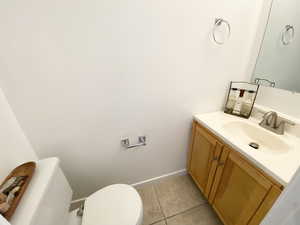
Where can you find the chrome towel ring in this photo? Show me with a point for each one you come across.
(288, 30)
(218, 23)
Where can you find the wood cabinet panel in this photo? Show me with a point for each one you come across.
(266, 205)
(205, 152)
(218, 174)
(240, 191)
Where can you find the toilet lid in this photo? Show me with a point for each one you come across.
(113, 205)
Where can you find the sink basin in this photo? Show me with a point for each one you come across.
(247, 133)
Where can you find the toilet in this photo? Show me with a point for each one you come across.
(113, 205)
(48, 197)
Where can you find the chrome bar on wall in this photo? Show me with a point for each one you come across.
(141, 142)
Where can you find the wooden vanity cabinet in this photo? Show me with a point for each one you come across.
(239, 192)
(204, 156)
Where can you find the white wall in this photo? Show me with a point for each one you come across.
(81, 74)
(15, 148)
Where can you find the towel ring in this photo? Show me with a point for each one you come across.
(285, 31)
(219, 22)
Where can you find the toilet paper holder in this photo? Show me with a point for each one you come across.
(126, 142)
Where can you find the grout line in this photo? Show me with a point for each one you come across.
(157, 221)
(154, 184)
(182, 212)
(156, 195)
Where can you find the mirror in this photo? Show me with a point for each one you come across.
(278, 63)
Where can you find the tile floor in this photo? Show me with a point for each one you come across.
(175, 200)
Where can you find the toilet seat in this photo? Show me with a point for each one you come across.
(113, 205)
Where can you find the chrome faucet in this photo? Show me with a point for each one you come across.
(270, 123)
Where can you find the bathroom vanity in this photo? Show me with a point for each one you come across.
(240, 182)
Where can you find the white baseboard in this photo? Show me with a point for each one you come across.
(78, 200)
(178, 172)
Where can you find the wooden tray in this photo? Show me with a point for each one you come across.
(26, 169)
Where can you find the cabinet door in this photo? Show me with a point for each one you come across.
(205, 152)
(266, 205)
(240, 190)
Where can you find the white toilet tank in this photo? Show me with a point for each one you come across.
(47, 198)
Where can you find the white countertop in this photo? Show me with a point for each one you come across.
(281, 167)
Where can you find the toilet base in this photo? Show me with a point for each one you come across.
(74, 219)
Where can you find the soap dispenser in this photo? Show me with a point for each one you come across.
(233, 95)
(239, 103)
(247, 104)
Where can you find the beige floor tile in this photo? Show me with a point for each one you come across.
(177, 194)
(152, 211)
(202, 215)
(160, 223)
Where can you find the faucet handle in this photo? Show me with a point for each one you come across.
(281, 127)
(270, 122)
(265, 120)
(267, 114)
(270, 118)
